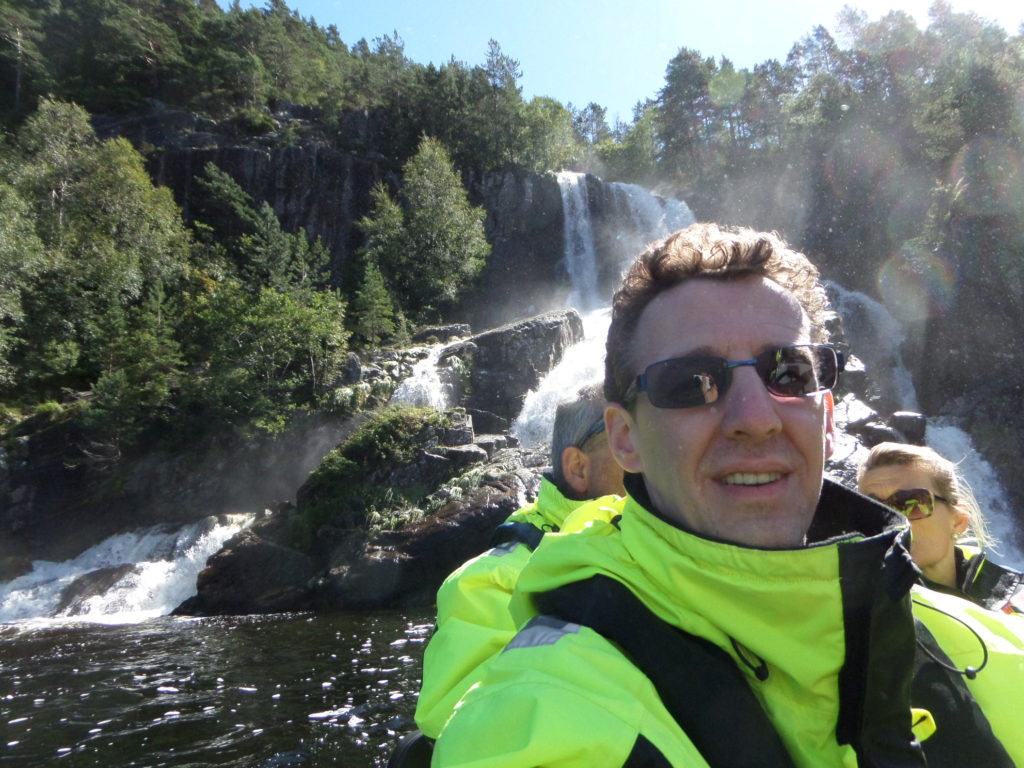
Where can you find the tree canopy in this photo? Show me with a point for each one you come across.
(880, 140)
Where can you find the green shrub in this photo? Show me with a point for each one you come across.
(346, 490)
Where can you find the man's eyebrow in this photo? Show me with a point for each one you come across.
(708, 351)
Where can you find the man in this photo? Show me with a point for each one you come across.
(740, 612)
(473, 622)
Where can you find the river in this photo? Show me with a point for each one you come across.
(267, 691)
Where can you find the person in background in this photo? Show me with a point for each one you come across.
(949, 533)
(473, 622)
(742, 609)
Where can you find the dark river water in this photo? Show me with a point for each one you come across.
(270, 691)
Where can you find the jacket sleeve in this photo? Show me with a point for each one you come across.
(473, 624)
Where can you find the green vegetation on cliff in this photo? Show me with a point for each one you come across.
(355, 482)
(883, 148)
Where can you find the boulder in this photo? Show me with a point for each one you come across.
(251, 575)
(92, 584)
(507, 362)
(404, 568)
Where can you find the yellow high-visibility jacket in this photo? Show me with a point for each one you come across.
(473, 622)
(985, 582)
(988, 642)
(823, 634)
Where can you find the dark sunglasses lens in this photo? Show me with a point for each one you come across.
(685, 382)
(800, 370)
(914, 503)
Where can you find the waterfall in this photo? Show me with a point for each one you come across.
(125, 578)
(428, 385)
(580, 253)
(636, 216)
(875, 336)
(582, 363)
(633, 216)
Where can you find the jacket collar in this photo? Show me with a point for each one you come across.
(840, 513)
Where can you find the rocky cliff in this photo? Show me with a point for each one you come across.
(55, 502)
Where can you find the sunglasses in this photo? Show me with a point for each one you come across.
(913, 503)
(595, 429)
(686, 382)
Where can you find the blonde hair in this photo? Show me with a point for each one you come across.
(945, 474)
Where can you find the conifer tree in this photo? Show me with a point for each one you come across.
(372, 308)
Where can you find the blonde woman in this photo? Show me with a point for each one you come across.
(949, 533)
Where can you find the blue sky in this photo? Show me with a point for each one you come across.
(608, 51)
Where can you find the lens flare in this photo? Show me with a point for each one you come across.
(916, 285)
(991, 174)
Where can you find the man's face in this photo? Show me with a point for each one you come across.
(748, 467)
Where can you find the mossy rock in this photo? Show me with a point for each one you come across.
(354, 483)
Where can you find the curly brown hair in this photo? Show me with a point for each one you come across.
(705, 251)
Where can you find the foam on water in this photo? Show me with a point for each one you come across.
(136, 575)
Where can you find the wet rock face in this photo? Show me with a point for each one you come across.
(404, 568)
(507, 362)
(251, 575)
(88, 585)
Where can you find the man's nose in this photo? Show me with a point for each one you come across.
(750, 410)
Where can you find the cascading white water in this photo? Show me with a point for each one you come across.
(875, 336)
(427, 385)
(872, 333)
(639, 217)
(951, 441)
(649, 216)
(579, 250)
(125, 578)
(582, 363)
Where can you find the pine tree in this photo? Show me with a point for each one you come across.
(372, 307)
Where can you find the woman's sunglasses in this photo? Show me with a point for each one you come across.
(913, 503)
(686, 382)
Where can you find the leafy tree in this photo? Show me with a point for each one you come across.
(445, 242)
(683, 111)
(260, 355)
(142, 365)
(550, 141)
(591, 124)
(251, 236)
(634, 157)
(24, 259)
(109, 233)
(505, 103)
(24, 65)
(384, 232)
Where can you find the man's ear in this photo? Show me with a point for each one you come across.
(830, 424)
(574, 469)
(621, 428)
